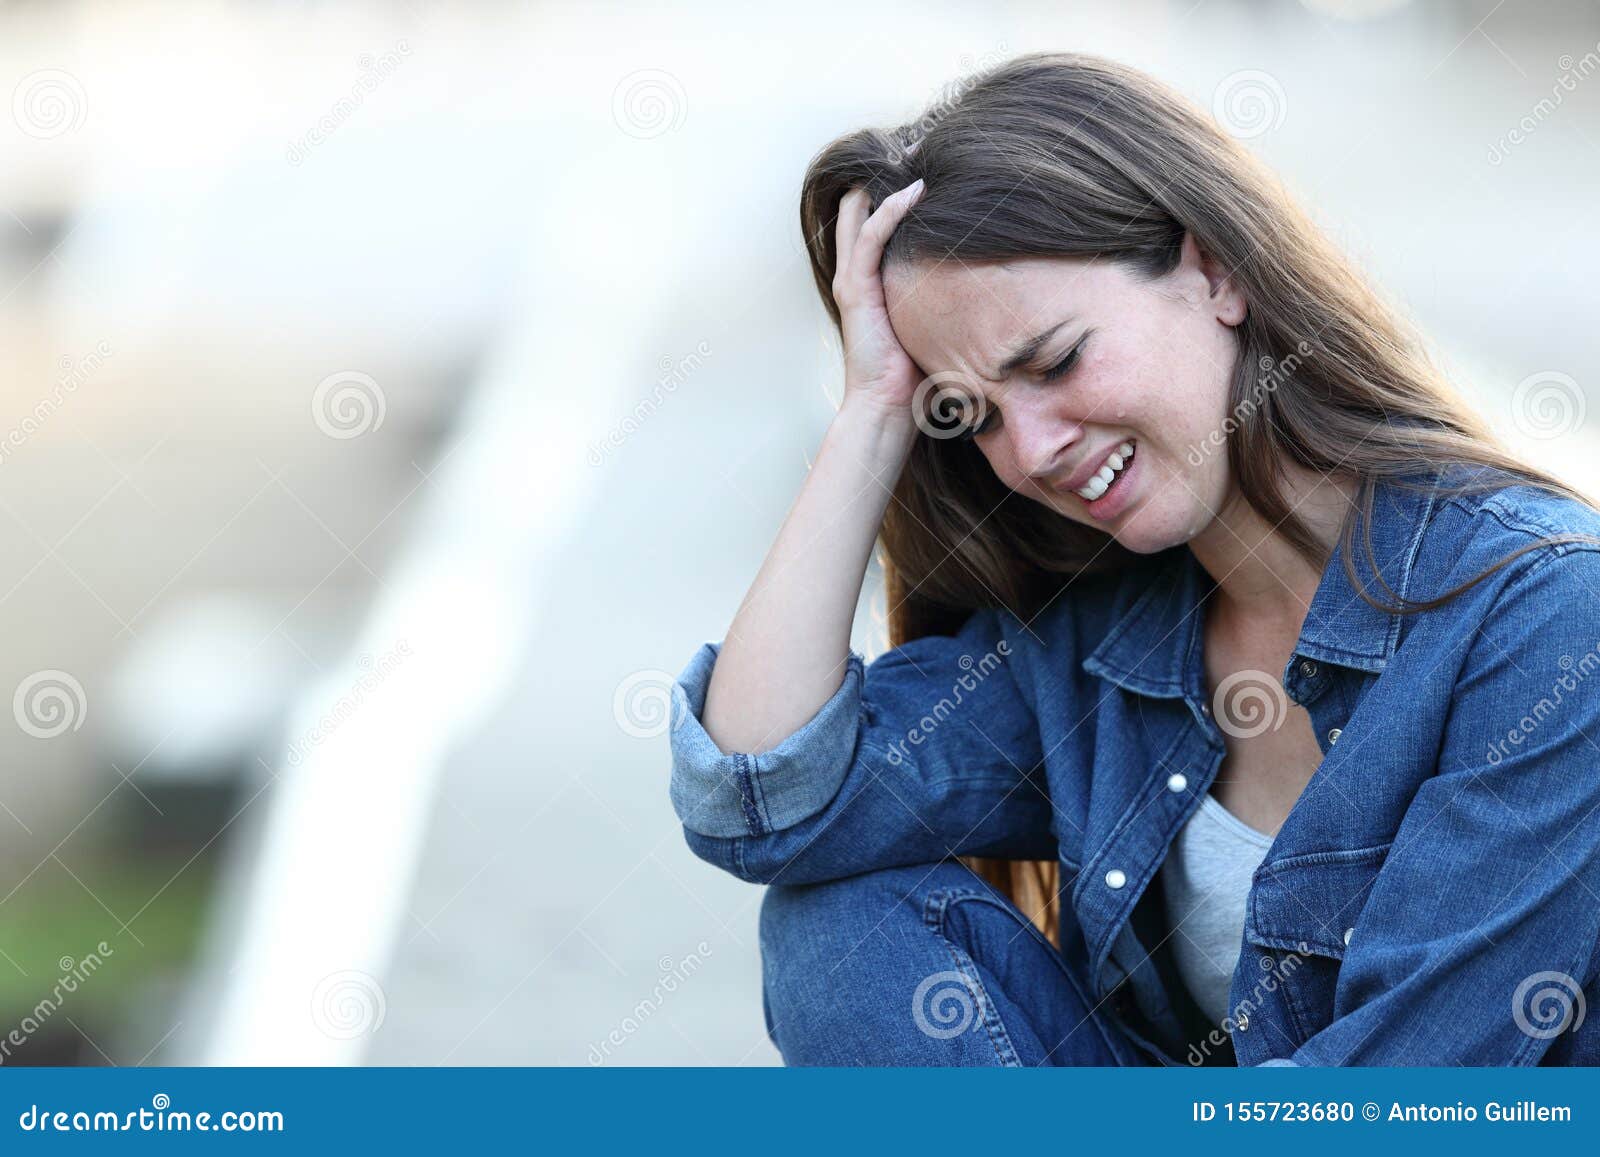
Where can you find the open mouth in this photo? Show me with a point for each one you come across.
(1105, 479)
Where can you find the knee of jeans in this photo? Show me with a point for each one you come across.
(874, 965)
(797, 911)
(806, 927)
(800, 921)
(818, 942)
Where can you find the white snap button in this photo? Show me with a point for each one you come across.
(1348, 932)
(1116, 878)
(1177, 782)
(1205, 709)
(1333, 736)
(1308, 668)
(1244, 1021)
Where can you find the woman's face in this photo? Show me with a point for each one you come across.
(1123, 363)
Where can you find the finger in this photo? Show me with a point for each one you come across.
(874, 235)
(852, 214)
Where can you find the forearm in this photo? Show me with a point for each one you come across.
(786, 650)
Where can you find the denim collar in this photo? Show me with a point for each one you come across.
(1154, 648)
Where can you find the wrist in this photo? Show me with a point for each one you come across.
(893, 425)
(878, 438)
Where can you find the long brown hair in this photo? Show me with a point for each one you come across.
(1077, 156)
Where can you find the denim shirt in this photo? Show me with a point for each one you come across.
(1432, 898)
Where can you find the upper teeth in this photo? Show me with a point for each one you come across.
(1108, 471)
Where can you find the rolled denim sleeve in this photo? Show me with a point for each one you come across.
(1482, 927)
(718, 794)
(929, 750)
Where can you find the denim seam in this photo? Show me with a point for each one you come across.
(1299, 1016)
(1170, 686)
(933, 913)
(947, 897)
(747, 798)
(1326, 943)
(758, 789)
(1519, 521)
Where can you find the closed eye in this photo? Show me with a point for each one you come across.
(1062, 367)
(1053, 374)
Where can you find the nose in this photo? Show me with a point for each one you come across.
(1040, 444)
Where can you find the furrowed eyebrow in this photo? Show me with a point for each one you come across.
(1029, 349)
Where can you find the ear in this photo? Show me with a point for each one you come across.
(1222, 294)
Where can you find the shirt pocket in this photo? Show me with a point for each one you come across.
(1302, 914)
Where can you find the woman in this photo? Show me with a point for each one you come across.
(1238, 712)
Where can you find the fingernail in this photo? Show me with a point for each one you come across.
(915, 187)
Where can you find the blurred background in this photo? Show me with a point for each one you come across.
(397, 394)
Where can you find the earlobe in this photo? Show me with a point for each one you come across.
(1231, 305)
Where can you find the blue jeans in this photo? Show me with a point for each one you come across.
(922, 965)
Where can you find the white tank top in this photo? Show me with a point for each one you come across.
(1206, 880)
